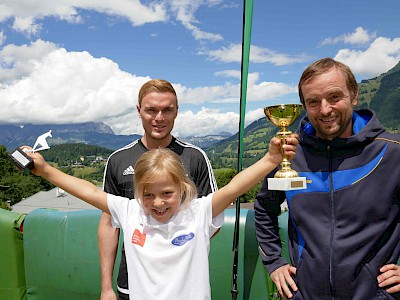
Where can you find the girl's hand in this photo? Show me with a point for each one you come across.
(289, 148)
(38, 161)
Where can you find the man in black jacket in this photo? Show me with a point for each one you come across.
(344, 227)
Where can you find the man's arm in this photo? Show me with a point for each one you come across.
(267, 209)
(108, 245)
(108, 237)
(266, 212)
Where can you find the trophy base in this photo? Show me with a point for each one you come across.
(287, 184)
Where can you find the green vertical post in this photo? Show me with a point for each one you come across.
(246, 41)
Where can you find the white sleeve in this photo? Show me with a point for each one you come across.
(118, 207)
(213, 224)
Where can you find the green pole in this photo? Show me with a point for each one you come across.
(246, 41)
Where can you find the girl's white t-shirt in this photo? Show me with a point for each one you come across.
(167, 260)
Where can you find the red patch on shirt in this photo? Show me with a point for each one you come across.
(138, 238)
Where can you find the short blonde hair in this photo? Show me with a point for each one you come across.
(158, 86)
(158, 163)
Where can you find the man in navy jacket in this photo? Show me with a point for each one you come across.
(344, 230)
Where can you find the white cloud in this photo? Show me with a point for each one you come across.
(69, 87)
(27, 26)
(206, 121)
(269, 91)
(382, 55)
(230, 93)
(359, 36)
(17, 62)
(48, 85)
(228, 73)
(233, 53)
(211, 121)
(28, 13)
(226, 93)
(184, 11)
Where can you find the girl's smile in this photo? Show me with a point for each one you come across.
(162, 199)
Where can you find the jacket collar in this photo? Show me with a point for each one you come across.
(366, 127)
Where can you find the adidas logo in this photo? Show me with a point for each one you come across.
(129, 171)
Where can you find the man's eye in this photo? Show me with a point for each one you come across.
(335, 98)
(168, 111)
(312, 103)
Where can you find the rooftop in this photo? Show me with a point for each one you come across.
(53, 199)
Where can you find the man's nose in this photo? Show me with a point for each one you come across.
(159, 115)
(326, 107)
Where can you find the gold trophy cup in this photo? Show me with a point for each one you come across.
(283, 116)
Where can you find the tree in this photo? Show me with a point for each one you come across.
(21, 184)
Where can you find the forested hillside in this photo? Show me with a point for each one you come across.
(67, 154)
(386, 102)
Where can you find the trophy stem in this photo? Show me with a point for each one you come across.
(285, 171)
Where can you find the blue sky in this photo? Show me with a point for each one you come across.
(70, 61)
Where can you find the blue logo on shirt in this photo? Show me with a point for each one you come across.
(182, 239)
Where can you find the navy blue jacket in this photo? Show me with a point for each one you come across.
(345, 225)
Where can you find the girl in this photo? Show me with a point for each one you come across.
(167, 230)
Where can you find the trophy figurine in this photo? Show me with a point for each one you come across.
(285, 178)
(22, 160)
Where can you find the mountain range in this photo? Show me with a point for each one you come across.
(91, 133)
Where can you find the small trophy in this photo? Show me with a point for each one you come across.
(283, 116)
(22, 160)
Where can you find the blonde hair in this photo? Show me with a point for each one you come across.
(159, 163)
(158, 86)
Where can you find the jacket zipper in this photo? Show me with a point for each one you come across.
(332, 204)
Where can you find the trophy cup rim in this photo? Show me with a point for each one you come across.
(290, 119)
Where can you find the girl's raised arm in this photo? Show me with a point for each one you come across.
(79, 188)
(249, 177)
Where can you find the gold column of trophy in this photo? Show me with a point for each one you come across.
(283, 116)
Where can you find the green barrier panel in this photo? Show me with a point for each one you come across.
(12, 274)
(62, 262)
(61, 255)
(252, 276)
